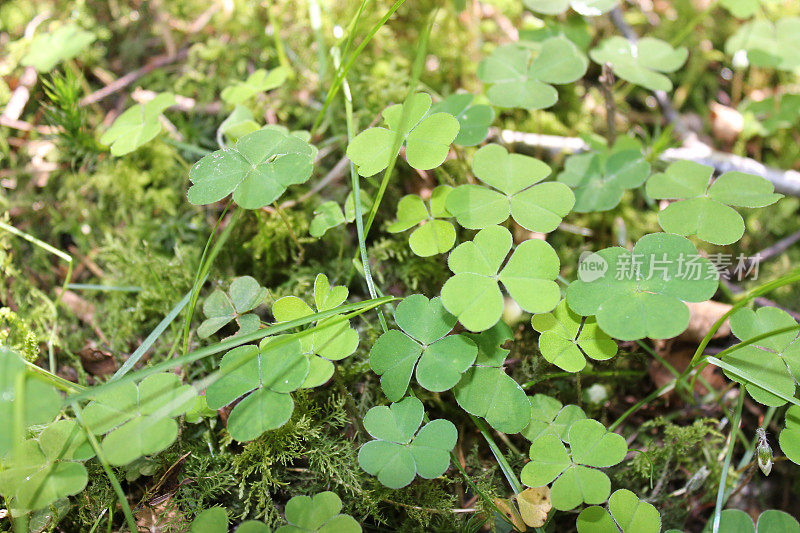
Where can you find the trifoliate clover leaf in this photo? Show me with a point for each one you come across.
(567, 339)
(265, 376)
(473, 119)
(641, 63)
(47, 468)
(487, 391)
(333, 342)
(440, 359)
(220, 308)
(473, 293)
(258, 82)
(238, 124)
(642, 293)
(398, 455)
(771, 521)
(521, 74)
(549, 417)
(318, 514)
(765, 117)
(626, 514)
(49, 49)
(137, 420)
(427, 137)
(515, 177)
(761, 43)
(587, 8)
(600, 178)
(434, 236)
(137, 125)
(789, 438)
(704, 207)
(574, 474)
(774, 360)
(329, 214)
(42, 402)
(257, 169)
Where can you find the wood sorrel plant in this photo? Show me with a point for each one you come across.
(289, 375)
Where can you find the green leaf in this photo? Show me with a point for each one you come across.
(574, 475)
(641, 63)
(220, 308)
(774, 360)
(567, 339)
(473, 293)
(427, 137)
(434, 236)
(705, 209)
(520, 75)
(49, 49)
(473, 119)
(789, 438)
(329, 343)
(549, 417)
(42, 402)
(46, 470)
(318, 513)
(741, 8)
(138, 420)
(490, 393)
(257, 169)
(626, 513)
(641, 293)
(439, 359)
(397, 455)
(270, 372)
(328, 215)
(587, 8)
(213, 520)
(761, 43)
(238, 124)
(767, 116)
(600, 178)
(535, 207)
(258, 82)
(137, 126)
(771, 521)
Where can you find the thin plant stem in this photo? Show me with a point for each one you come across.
(416, 72)
(337, 83)
(355, 180)
(206, 259)
(737, 417)
(20, 523)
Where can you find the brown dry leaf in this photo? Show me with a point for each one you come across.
(726, 122)
(508, 509)
(534, 504)
(679, 358)
(97, 362)
(702, 316)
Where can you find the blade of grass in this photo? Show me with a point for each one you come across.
(355, 180)
(206, 260)
(112, 478)
(741, 374)
(337, 83)
(238, 340)
(416, 72)
(737, 417)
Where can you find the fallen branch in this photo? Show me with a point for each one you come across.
(131, 77)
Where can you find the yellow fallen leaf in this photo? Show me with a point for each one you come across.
(534, 504)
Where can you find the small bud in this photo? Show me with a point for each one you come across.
(763, 452)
